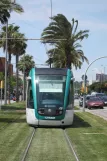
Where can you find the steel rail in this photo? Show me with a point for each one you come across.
(70, 145)
(28, 146)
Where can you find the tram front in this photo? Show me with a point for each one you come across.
(51, 92)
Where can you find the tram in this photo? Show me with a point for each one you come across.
(50, 97)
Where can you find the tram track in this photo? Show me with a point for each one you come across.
(28, 145)
(70, 144)
(67, 140)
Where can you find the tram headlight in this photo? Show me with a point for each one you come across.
(41, 111)
(60, 108)
(60, 112)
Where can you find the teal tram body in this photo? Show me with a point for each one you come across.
(50, 97)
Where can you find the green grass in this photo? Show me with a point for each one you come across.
(76, 108)
(14, 134)
(14, 106)
(49, 145)
(89, 137)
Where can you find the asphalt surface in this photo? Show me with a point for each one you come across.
(99, 112)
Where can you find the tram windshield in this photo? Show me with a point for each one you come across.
(50, 90)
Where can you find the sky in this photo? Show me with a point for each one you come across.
(91, 15)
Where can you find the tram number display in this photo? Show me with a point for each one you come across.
(50, 87)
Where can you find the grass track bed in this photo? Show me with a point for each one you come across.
(49, 145)
(89, 137)
(14, 134)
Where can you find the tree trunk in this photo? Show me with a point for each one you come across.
(68, 57)
(17, 91)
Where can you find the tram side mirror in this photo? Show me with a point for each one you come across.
(73, 79)
(28, 78)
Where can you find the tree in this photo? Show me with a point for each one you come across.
(67, 52)
(12, 31)
(14, 47)
(99, 87)
(1, 76)
(4, 15)
(25, 64)
(6, 7)
(13, 83)
(19, 48)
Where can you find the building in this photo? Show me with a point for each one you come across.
(2, 66)
(101, 77)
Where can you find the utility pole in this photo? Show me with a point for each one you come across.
(5, 92)
(51, 7)
(104, 75)
(24, 79)
(50, 62)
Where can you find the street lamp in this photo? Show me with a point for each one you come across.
(51, 7)
(93, 76)
(85, 80)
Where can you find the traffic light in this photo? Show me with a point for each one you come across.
(1, 84)
(82, 89)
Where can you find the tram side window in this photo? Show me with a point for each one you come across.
(71, 94)
(30, 96)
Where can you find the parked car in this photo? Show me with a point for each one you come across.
(81, 100)
(95, 102)
(98, 94)
(76, 97)
(104, 99)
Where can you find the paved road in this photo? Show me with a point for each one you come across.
(99, 112)
(76, 102)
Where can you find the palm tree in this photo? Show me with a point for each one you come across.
(4, 15)
(12, 31)
(6, 7)
(19, 48)
(59, 60)
(14, 47)
(69, 47)
(25, 64)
